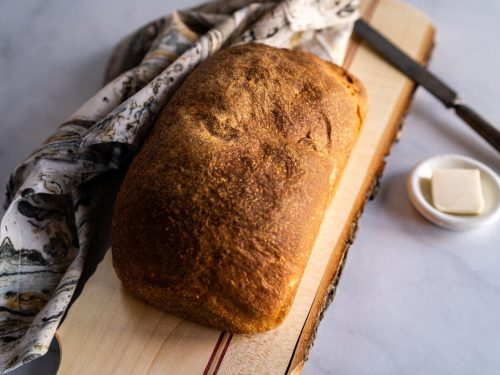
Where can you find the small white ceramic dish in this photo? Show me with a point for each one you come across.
(419, 190)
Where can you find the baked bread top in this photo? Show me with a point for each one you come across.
(219, 210)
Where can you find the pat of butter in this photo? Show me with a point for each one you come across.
(457, 191)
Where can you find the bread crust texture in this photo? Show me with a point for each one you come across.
(219, 211)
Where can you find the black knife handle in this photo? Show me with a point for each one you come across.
(479, 124)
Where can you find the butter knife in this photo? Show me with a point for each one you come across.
(429, 81)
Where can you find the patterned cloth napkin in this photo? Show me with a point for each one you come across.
(46, 230)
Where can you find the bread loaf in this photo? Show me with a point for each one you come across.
(219, 211)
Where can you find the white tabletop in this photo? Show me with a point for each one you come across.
(413, 298)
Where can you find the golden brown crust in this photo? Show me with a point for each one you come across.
(219, 211)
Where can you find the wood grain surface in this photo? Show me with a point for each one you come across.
(109, 332)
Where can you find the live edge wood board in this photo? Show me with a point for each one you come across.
(109, 332)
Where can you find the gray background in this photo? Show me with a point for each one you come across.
(414, 298)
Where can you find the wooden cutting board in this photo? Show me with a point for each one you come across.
(109, 332)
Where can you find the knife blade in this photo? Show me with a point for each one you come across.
(428, 80)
